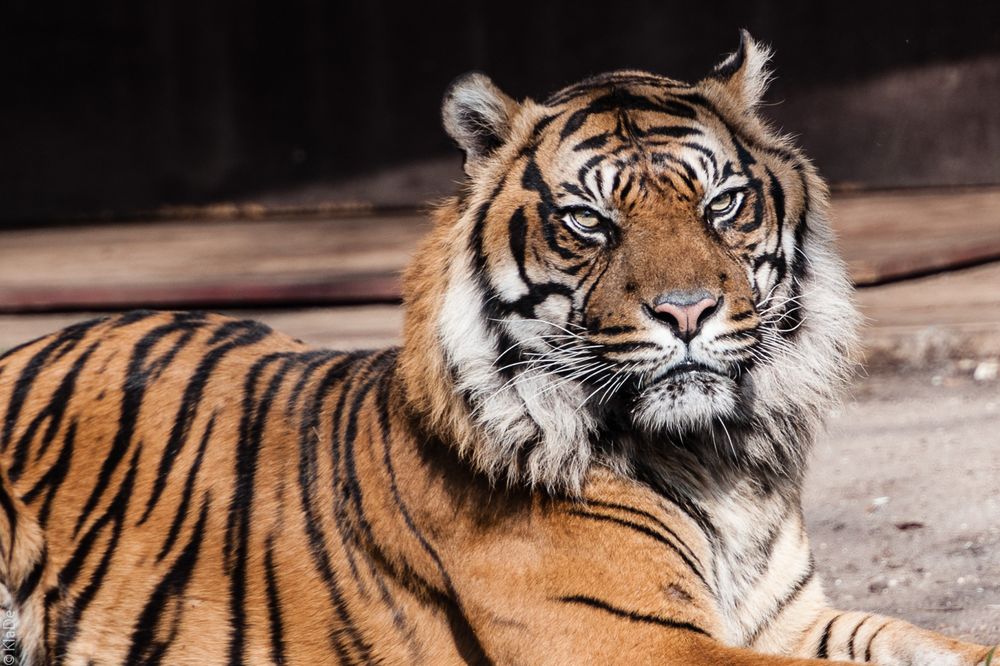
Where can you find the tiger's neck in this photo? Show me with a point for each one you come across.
(490, 412)
(507, 420)
(733, 502)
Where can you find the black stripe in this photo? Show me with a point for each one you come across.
(148, 645)
(308, 470)
(648, 516)
(133, 317)
(631, 615)
(761, 555)
(868, 649)
(584, 170)
(133, 389)
(593, 143)
(60, 345)
(71, 570)
(516, 232)
(615, 330)
(53, 412)
(469, 646)
(778, 201)
(822, 651)
(253, 413)
(766, 258)
(380, 363)
(642, 529)
(246, 333)
(53, 478)
(30, 582)
(704, 151)
(273, 605)
(790, 597)
(24, 345)
(627, 189)
(540, 126)
(69, 620)
(574, 123)
(682, 503)
(239, 328)
(351, 384)
(533, 180)
(672, 131)
(7, 502)
(314, 360)
(250, 440)
(800, 262)
(187, 493)
(758, 209)
(585, 301)
(854, 635)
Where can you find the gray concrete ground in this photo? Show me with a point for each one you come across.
(903, 500)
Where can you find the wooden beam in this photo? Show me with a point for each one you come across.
(305, 260)
(888, 236)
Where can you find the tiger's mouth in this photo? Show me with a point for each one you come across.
(690, 370)
(681, 377)
(685, 368)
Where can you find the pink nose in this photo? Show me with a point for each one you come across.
(686, 311)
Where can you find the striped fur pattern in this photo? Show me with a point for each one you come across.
(549, 470)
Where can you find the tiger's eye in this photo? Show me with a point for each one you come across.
(586, 219)
(721, 203)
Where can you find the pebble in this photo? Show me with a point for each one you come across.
(877, 504)
(987, 370)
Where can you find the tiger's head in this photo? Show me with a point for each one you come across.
(635, 259)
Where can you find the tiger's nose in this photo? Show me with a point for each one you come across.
(685, 310)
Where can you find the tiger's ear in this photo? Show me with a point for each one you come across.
(477, 115)
(744, 72)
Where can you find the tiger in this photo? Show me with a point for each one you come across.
(620, 338)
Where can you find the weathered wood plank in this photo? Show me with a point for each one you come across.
(892, 235)
(187, 263)
(303, 260)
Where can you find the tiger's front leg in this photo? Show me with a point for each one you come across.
(876, 639)
(557, 609)
(614, 579)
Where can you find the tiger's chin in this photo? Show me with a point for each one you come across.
(688, 403)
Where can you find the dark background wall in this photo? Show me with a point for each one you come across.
(124, 105)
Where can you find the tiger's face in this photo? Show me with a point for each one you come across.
(643, 229)
(633, 254)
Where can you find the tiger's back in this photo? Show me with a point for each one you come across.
(171, 462)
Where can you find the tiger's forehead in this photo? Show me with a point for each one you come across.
(610, 136)
(638, 81)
